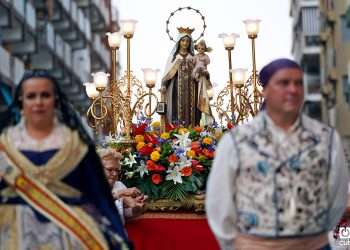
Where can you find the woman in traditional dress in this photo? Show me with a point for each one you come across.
(181, 90)
(53, 193)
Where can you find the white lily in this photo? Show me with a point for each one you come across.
(142, 169)
(174, 175)
(183, 162)
(129, 161)
(129, 174)
(183, 140)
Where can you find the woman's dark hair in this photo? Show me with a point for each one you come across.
(67, 114)
(189, 47)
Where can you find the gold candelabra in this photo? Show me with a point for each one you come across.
(244, 95)
(114, 106)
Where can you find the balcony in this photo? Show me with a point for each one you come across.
(19, 33)
(100, 53)
(11, 68)
(70, 23)
(99, 16)
(17, 70)
(4, 14)
(5, 63)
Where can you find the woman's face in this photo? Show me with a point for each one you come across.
(185, 42)
(38, 101)
(111, 168)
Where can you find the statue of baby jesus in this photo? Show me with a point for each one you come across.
(201, 75)
(201, 60)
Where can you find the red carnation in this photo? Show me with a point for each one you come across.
(156, 178)
(159, 168)
(170, 127)
(150, 139)
(198, 168)
(139, 129)
(186, 171)
(151, 166)
(146, 150)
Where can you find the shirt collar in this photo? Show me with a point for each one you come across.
(271, 124)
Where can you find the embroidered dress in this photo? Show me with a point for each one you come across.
(267, 183)
(66, 167)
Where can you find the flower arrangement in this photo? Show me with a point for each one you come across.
(170, 165)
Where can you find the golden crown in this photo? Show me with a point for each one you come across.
(184, 30)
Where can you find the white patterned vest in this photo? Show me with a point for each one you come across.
(282, 194)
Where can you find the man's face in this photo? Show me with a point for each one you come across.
(284, 93)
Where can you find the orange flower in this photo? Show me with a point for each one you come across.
(140, 145)
(191, 153)
(208, 153)
(139, 138)
(172, 158)
(186, 171)
(156, 178)
(207, 140)
(196, 145)
(197, 129)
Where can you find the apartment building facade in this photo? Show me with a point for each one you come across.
(66, 37)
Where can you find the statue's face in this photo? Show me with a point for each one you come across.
(201, 49)
(185, 42)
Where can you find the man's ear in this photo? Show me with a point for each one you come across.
(263, 93)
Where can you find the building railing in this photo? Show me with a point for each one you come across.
(5, 62)
(30, 15)
(17, 70)
(19, 7)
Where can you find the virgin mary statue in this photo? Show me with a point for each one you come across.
(181, 90)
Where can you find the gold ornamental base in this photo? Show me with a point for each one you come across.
(194, 203)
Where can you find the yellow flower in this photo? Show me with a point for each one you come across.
(155, 156)
(155, 124)
(207, 140)
(139, 138)
(191, 153)
(183, 131)
(165, 136)
(140, 145)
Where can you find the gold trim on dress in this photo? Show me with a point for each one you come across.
(58, 167)
(46, 202)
